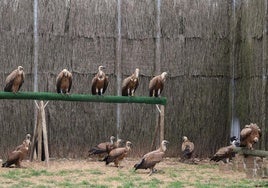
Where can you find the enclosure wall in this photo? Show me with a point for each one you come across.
(196, 49)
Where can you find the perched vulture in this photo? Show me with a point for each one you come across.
(27, 139)
(103, 147)
(16, 156)
(250, 135)
(99, 82)
(156, 85)
(187, 148)
(14, 80)
(64, 81)
(226, 153)
(118, 154)
(130, 84)
(150, 159)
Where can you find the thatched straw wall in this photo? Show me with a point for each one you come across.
(196, 49)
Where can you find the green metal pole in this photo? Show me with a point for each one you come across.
(245, 151)
(82, 97)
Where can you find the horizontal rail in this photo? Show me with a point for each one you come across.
(82, 97)
(245, 151)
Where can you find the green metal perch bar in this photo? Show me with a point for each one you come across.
(245, 151)
(82, 97)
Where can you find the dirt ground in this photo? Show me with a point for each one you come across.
(88, 172)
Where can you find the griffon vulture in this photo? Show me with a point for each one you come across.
(14, 80)
(187, 148)
(16, 156)
(64, 81)
(226, 153)
(130, 84)
(99, 82)
(27, 139)
(103, 147)
(118, 154)
(250, 135)
(150, 159)
(156, 85)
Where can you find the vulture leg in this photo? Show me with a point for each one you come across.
(151, 171)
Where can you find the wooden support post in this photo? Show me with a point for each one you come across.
(159, 128)
(162, 127)
(40, 135)
(33, 145)
(44, 129)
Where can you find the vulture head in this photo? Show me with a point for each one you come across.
(101, 68)
(20, 68)
(234, 141)
(164, 144)
(65, 72)
(250, 135)
(28, 136)
(112, 139)
(184, 138)
(163, 76)
(128, 144)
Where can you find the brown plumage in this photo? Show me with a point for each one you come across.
(250, 135)
(187, 148)
(102, 148)
(14, 80)
(156, 85)
(225, 154)
(21, 151)
(130, 84)
(27, 139)
(99, 82)
(118, 154)
(150, 159)
(64, 81)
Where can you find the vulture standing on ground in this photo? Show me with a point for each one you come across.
(99, 82)
(103, 147)
(16, 156)
(150, 159)
(225, 153)
(118, 154)
(14, 80)
(250, 135)
(156, 85)
(130, 84)
(64, 81)
(187, 148)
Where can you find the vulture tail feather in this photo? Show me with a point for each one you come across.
(139, 165)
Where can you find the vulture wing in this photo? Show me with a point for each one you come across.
(94, 85)
(114, 154)
(223, 153)
(58, 82)
(125, 86)
(70, 81)
(105, 84)
(10, 80)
